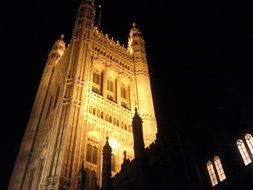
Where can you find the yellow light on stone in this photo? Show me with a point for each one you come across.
(113, 143)
(94, 135)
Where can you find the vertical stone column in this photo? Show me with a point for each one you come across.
(104, 82)
(118, 83)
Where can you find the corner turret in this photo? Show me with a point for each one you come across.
(57, 50)
(136, 47)
(85, 19)
(136, 44)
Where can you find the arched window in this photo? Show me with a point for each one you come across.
(111, 89)
(97, 82)
(219, 168)
(249, 141)
(243, 151)
(91, 153)
(211, 173)
(215, 171)
(94, 111)
(124, 95)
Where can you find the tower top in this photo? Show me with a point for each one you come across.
(136, 119)
(135, 40)
(107, 148)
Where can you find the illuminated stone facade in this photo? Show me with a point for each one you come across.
(88, 91)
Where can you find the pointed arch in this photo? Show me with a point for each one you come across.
(219, 168)
(249, 141)
(243, 151)
(211, 172)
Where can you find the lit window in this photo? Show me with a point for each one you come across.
(124, 95)
(94, 155)
(219, 168)
(211, 173)
(243, 151)
(123, 92)
(91, 154)
(96, 78)
(97, 81)
(111, 92)
(88, 153)
(249, 140)
(110, 85)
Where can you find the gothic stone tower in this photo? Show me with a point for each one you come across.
(89, 90)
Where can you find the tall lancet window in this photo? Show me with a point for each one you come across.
(219, 168)
(124, 95)
(243, 151)
(211, 172)
(91, 153)
(249, 141)
(97, 81)
(215, 171)
(111, 89)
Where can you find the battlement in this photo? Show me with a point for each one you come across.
(110, 44)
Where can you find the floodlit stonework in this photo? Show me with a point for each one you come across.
(88, 91)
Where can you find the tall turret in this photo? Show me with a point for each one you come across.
(136, 47)
(85, 19)
(69, 129)
(138, 136)
(22, 176)
(106, 172)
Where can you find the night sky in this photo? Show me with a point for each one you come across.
(200, 59)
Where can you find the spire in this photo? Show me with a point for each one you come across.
(124, 154)
(138, 135)
(107, 147)
(125, 162)
(137, 121)
(106, 172)
(99, 17)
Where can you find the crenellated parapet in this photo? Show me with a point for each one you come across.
(112, 46)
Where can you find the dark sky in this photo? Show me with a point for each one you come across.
(200, 61)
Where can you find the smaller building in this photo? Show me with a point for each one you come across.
(168, 164)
